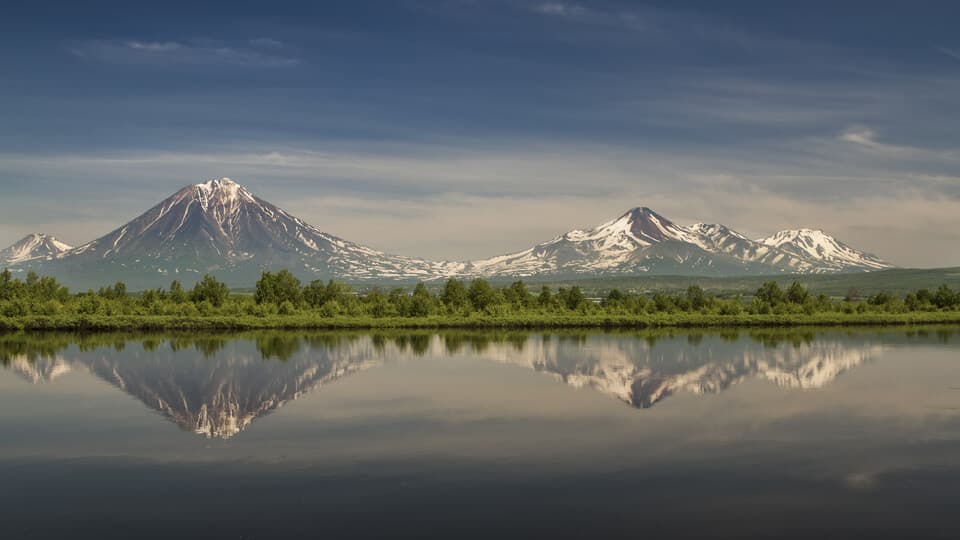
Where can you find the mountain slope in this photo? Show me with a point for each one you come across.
(644, 242)
(32, 247)
(638, 241)
(220, 227)
(721, 239)
(826, 252)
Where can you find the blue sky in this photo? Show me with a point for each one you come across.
(460, 129)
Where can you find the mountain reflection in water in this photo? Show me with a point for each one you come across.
(223, 389)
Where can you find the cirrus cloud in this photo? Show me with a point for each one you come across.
(145, 52)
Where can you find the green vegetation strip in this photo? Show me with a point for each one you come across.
(281, 302)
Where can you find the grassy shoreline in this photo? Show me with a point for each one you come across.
(526, 321)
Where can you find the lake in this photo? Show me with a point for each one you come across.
(741, 433)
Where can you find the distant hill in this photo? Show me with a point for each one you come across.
(894, 281)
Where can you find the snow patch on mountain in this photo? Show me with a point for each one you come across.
(33, 247)
(824, 249)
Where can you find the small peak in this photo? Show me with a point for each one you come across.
(214, 183)
(641, 211)
(221, 186)
(796, 233)
(218, 192)
(37, 237)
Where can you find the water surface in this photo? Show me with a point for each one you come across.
(264, 435)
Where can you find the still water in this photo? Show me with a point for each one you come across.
(817, 433)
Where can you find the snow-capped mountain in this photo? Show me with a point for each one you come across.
(219, 227)
(644, 242)
(721, 239)
(639, 241)
(829, 253)
(36, 246)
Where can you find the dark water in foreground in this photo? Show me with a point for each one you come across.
(832, 433)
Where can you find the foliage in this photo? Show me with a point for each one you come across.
(210, 290)
(282, 287)
(280, 300)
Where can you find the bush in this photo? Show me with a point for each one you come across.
(731, 307)
(330, 309)
(278, 288)
(205, 308)
(481, 294)
(454, 294)
(15, 308)
(287, 308)
(797, 293)
(209, 290)
(770, 293)
(52, 308)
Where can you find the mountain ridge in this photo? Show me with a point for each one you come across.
(220, 227)
(643, 241)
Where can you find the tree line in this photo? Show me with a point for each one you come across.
(282, 294)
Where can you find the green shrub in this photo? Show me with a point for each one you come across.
(330, 309)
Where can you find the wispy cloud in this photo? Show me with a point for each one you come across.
(560, 9)
(266, 43)
(203, 52)
(676, 29)
(861, 136)
(576, 13)
(952, 53)
(867, 140)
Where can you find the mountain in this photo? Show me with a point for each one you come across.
(32, 247)
(644, 242)
(830, 253)
(221, 228)
(638, 241)
(721, 239)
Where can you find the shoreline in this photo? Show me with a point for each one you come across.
(527, 322)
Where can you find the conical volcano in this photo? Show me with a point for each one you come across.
(220, 227)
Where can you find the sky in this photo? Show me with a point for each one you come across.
(457, 129)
